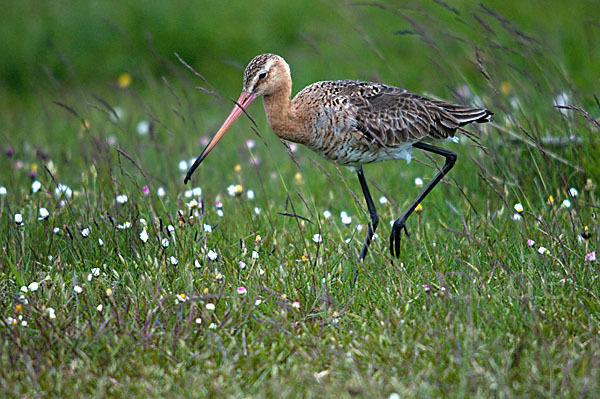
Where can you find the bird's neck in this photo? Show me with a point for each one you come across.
(281, 114)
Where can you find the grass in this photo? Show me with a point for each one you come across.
(470, 310)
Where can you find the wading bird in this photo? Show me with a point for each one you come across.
(351, 123)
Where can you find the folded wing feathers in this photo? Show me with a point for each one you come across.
(396, 115)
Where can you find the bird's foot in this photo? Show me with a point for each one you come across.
(396, 235)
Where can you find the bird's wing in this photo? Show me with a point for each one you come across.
(394, 116)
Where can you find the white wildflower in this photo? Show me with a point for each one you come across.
(142, 128)
(124, 226)
(63, 189)
(36, 186)
(234, 190)
(212, 255)
(562, 100)
(122, 198)
(144, 235)
(44, 214)
(193, 204)
(346, 219)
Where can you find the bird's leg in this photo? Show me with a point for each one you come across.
(399, 224)
(372, 213)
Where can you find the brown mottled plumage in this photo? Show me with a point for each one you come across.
(351, 123)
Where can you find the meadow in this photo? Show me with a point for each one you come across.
(117, 280)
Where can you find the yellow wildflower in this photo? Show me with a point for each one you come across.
(124, 80)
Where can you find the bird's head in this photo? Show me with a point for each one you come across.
(264, 75)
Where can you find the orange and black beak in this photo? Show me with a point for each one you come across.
(241, 104)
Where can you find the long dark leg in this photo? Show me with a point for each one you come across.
(399, 224)
(372, 213)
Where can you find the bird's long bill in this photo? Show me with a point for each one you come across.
(242, 103)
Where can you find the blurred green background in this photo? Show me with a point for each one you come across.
(71, 43)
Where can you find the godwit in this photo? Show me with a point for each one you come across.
(351, 123)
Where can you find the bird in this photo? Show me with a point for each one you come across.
(352, 123)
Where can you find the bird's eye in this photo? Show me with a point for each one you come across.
(262, 75)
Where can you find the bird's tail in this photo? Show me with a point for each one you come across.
(465, 115)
